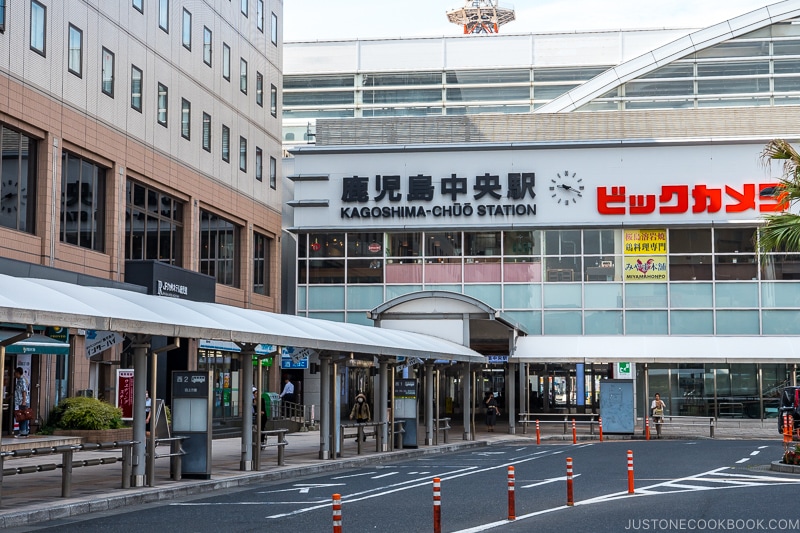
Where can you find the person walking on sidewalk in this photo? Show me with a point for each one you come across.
(22, 398)
(360, 411)
(491, 411)
(657, 412)
(287, 395)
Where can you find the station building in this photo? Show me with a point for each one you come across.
(598, 194)
(141, 149)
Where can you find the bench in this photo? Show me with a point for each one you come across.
(360, 431)
(67, 463)
(266, 441)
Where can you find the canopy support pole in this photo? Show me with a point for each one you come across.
(140, 345)
(383, 384)
(246, 404)
(466, 400)
(324, 407)
(429, 415)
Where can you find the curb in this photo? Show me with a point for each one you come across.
(143, 495)
(778, 466)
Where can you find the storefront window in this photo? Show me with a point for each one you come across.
(521, 243)
(365, 271)
(83, 200)
(324, 271)
(153, 225)
(325, 245)
(443, 244)
(365, 245)
(403, 245)
(483, 243)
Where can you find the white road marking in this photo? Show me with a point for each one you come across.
(740, 461)
(304, 488)
(754, 453)
(385, 475)
(355, 475)
(546, 481)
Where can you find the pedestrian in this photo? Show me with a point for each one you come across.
(360, 411)
(22, 398)
(492, 410)
(148, 410)
(287, 395)
(657, 412)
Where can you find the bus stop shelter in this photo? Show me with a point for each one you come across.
(39, 302)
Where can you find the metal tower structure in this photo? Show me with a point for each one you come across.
(481, 16)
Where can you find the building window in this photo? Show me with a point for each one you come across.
(260, 15)
(259, 164)
(260, 89)
(273, 101)
(108, 72)
(136, 88)
(242, 154)
(262, 250)
(153, 225)
(186, 119)
(162, 104)
(273, 173)
(226, 61)
(138, 5)
(38, 27)
(243, 75)
(207, 46)
(2, 16)
(83, 199)
(18, 180)
(274, 29)
(163, 15)
(186, 30)
(219, 248)
(207, 132)
(226, 143)
(245, 7)
(75, 52)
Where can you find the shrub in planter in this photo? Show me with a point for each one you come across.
(86, 413)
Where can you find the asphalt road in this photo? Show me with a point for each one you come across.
(699, 485)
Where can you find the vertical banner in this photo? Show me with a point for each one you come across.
(645, 255)
(125, 392)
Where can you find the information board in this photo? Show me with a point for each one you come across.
(616, 406)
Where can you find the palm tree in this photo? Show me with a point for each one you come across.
(782, 230)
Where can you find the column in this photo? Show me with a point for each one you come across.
(383, 385)
(429, 414)
(140, 345)
(511, 397)
(324, 407)
(466, 400)
(246, 404)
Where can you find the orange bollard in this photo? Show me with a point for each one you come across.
(538, 435)
(511, 503)
(600, 422)
(570, 499)
(646, 429)
(437, 505)
(788, 422)
(574, 433)
(337, 513)
(630, 472)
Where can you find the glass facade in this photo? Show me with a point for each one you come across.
(83, 202)
(562, 282)
(153, 225)
(17, 180)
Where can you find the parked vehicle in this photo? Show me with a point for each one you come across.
(790, 405)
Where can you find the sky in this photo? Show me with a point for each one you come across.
(311, 20)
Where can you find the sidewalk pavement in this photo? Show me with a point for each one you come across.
(36, 497)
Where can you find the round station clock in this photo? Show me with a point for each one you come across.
(566, 189)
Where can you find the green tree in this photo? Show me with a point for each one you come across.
(782, 229)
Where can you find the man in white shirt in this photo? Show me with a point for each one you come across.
(288, 390)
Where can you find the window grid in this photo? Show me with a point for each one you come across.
(107, 72)
(186, 30)
(226, 61)
(273, 173)
(207, 132)
(82, 202)
(136, 88)
(186, 119)
(75, 52)
(38, 28)
(262, 249)
(163, 15)
(17, 177)
(226, 143)
(163, 103)
(207, 50)
(243, 75)
(153, 225)
(219, 248)
(242, 154)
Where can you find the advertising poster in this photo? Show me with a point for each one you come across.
(125, 392)
(645, 255)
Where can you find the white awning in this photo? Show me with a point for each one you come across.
(55, 303)
(656, 349)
